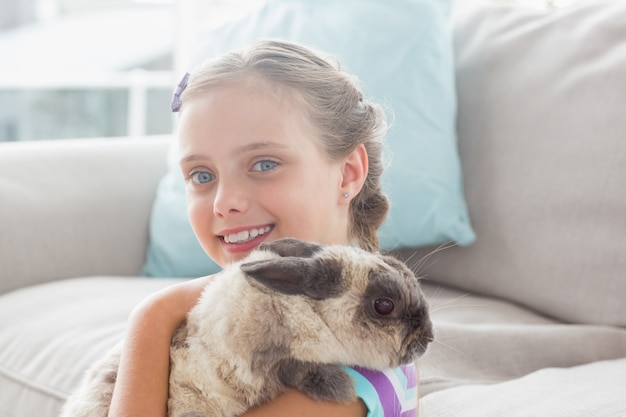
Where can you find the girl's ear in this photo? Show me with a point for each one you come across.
(354, 172)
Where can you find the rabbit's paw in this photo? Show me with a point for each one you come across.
(321, 382)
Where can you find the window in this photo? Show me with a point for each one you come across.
(96, 68)
(77, 68)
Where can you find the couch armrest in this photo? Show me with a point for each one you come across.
(76, 207)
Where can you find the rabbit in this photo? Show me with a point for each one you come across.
(287, 316)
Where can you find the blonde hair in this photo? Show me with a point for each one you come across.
(334, 104)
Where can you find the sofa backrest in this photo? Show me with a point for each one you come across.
(542, 138)
(76, 207)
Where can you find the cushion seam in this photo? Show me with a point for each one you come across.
(43, 389)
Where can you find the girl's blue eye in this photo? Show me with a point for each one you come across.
(202, 177)
(265, 165)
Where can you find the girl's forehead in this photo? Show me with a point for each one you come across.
(254, 90)
(250, 83)
(241, 112)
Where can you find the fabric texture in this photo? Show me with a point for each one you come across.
(413, 78)
(390, 393)
(488, 341)
(541, 131)
(63, 210)
(50, 333)
(588, 390)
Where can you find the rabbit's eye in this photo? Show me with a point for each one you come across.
(384, 306)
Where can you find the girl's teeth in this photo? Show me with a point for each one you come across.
(245, 235)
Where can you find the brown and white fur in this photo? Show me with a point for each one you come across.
(287, 316)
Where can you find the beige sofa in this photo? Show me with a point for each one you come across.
(530, 320)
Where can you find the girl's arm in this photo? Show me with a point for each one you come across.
(141, 388)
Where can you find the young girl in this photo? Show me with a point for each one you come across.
(274, 142)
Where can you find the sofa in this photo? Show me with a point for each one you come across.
(529, 319)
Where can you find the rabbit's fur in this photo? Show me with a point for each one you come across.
(285, 317)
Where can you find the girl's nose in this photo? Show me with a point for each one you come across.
(231, 199)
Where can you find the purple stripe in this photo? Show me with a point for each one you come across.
(384, 388)
(410, 372)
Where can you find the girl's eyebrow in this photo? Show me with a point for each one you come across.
(255, 146)
(191, 158)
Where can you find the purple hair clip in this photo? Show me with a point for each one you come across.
(179, 90)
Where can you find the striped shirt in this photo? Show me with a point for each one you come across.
(389, 393)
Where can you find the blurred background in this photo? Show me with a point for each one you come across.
(104, 68)
(96, 68)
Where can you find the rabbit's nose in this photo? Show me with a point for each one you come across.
(427, 335)
(419, 335)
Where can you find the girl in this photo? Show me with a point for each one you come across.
(274, 142)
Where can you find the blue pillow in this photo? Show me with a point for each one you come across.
(401, 51)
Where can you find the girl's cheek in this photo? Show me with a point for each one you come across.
(199, 210)
(198, 199)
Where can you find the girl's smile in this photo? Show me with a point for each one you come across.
(245, 235)
(246, 239)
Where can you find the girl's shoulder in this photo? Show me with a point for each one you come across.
(389, 393)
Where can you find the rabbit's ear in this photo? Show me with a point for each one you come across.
(292, 247)
(312, 277)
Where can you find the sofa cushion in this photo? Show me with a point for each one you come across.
(595, 389)
(51, 333)
(402, 54)
(484, 340)
(542, 143)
